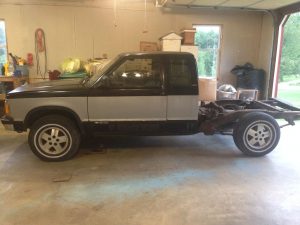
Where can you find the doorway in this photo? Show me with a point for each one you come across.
(289, 76)
(208, 39)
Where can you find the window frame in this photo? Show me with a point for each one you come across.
(219, 50)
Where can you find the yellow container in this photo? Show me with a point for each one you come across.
(6, 69)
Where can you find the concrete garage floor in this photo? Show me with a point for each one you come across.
(152, 180)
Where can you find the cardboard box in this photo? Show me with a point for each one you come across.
(171, 42)
(188, 36)
(247, 94)
(148, 46)
(191, 49)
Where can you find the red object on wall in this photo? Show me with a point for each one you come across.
(40, 39)
(29, 59)
(54, 75)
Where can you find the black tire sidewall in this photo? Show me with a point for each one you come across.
(249, 120)
(62, 122)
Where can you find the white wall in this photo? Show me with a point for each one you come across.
(71, 30)
(266, 44)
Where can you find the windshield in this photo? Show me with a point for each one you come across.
(91, 80)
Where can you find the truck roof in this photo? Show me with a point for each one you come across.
(154, 53)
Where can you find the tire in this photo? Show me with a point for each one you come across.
(256, 134)
(54, 138)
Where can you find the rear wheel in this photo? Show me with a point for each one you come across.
(256, 134)
(54, 138)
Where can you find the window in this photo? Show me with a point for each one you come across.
(137, 73)
(207, 38)
(3, 46)
(181, 75)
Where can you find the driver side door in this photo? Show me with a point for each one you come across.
(132, 92)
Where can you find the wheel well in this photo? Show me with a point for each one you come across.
(36, 114)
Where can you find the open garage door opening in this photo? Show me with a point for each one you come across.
(289, 74)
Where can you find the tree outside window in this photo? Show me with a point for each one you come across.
(289, 79)
(207, 38)
(3, 46)
(290, 59)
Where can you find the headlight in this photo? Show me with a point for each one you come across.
(6, 108)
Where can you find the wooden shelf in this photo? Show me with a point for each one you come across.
(2, 97)
(16, 81)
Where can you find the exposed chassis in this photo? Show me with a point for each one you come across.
(220, 116)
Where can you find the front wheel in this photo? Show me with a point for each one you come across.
(256, 134)
(54, 138)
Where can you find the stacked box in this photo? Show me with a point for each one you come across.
(188, 36)
(171, 42)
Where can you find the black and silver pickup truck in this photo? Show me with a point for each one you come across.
(138, 94)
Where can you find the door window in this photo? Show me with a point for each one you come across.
(137, 73)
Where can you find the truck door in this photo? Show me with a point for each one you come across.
(131, 92)
(181, 88)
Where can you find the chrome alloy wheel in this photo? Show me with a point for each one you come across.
(259, 136)
(53, 140)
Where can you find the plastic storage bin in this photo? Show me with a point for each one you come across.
(207, 89)
(21, 71)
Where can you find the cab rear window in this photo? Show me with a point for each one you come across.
(181, 77)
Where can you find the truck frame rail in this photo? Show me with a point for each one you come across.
(220, 116)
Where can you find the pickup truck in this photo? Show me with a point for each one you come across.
(138, 94)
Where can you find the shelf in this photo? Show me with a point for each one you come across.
(15, 82)
(2, 97)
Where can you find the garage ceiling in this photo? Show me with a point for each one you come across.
(244, 4)
(250, 4)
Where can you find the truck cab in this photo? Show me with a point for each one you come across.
(145, 92)
(138, 94)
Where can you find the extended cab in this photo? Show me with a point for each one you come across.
(138, 94)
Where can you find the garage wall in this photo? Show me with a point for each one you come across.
(89, 31)
(241, 35)
(266, 44)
